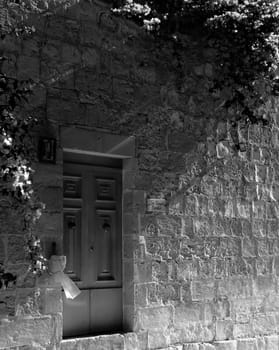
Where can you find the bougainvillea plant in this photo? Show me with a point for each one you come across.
(16, 156)
(16, 143)
(243, 33)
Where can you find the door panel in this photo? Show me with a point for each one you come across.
(76, 315)
(106, 306)
(93, 246)
(108, 249)
(72, 242)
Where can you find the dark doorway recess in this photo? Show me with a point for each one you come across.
(92, 242)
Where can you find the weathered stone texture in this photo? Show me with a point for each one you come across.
(200, 219)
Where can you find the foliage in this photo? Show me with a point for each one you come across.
(243, 33)
(16, 144)
(16, 156)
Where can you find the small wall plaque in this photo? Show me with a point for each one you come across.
(47, 150)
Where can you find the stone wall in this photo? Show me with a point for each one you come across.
(200, 210)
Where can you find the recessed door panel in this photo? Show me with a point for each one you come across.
(93, 246)
(72, 242)
(76, 315)
(106, 306)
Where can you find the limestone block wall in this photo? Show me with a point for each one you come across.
(200, 198)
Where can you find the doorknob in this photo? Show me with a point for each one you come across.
(91, 248)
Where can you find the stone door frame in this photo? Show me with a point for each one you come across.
(91, 142)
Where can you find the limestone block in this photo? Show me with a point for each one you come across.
(36, 332)
(55, 27)
(142, 339)
(186, 270)
(145, 75)
(143, 272)
(248, 172)
(30, 47)
(70, 54)
(154, 318)
(183, 314)
(222, 308)
(37, 100)
(157, 339)
(261, 343)
(265, 324)
(169, 292)
(203, 290)
(131, 341)
(246, 344)
(243, 209)
(190, 205)
(260, 173)
(156, 205)
(224, 329)
(90, 57)
(259, 228)
(202, 205)
(141, 295)
(262, 247)
(235, 287)
(122, 89)
(28, 67)
(192, 332)
(206, 269)
(11, 44)
(69, 111)
(219, 228)
(264, 285)
(272, 342)
(102, 342)
(229, 209)
(207, 347)
(248, 247)
(176, 205)
(160, 271)
(259, 209)
(265, 265)
(226, 345)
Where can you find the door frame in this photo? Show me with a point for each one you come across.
(91, 142)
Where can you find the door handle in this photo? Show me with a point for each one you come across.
(91, 248)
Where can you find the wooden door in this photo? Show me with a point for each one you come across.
(93, 245)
